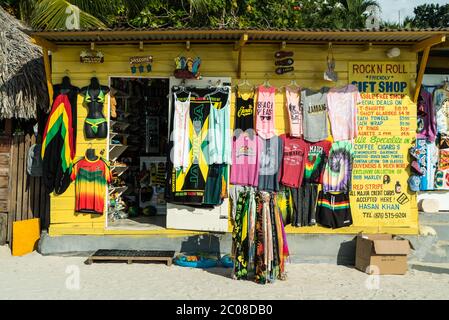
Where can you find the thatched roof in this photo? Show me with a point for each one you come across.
(23, 88)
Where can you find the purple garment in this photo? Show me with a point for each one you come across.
(427, 125)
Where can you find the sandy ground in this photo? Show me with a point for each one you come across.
(37, 277)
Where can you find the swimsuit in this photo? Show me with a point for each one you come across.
(95, 122)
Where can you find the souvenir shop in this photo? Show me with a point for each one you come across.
(432, 144)
(175, 133)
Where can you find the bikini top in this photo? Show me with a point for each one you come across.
(100, 98)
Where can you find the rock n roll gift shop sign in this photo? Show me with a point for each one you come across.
(387, 128)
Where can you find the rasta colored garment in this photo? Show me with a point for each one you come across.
(294, 110)
(317, 154)
(91, 179)
(338, 171)
(292, 169)
(244, 112)
(342, 108)
(265, 112)
(58, 146)
(333, 210)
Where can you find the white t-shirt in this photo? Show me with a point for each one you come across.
(342, 109)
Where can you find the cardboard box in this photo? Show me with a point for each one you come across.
(382, 254)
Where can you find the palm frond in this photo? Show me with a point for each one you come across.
(51, 14)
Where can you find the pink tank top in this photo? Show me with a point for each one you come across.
(294, 111)
(265, 112)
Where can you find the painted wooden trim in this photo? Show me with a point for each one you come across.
(44, 43)
(48, 74)
(422, 69)
(423, 45)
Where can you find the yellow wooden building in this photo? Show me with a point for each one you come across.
(234, 54)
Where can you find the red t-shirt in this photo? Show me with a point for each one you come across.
(317, 154)
(292, 169)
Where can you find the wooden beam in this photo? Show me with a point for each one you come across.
(239, 63)
(188, 45)
(92, 46)
(48, 74)
(44, 43)
(368, 47)
(141, 45)
(422, 69)
(423, 45)
(243, 39)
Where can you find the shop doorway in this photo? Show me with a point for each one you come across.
(137, 151)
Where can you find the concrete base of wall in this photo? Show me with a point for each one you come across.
(431, 247)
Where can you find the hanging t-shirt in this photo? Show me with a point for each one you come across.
(342, 108)
(442, 173)
(245, 160)
(244, 112)
(317, 155)
(270, 162)
(91, 178)
(338, 170)
(427, 127)
(294, 111)
(314, 106)
(294, 154)
(441, 106)
(181, 133)
(219, 134)
(265, 112)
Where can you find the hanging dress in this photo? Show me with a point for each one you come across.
(219, 134)
(181, 133)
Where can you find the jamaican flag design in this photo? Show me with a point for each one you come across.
(91, 179)
(58, 146)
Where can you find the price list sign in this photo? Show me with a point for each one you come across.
(380, 195)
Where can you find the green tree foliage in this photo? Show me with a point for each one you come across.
(332, 14)
(431, 16)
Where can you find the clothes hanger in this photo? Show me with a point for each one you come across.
(245, 83)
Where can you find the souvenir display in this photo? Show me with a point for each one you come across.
(95, 125)
(59, 138)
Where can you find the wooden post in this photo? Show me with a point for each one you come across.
(239, 64)
(422, 69)
(48, 74)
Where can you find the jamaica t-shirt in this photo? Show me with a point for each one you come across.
(317, 154)
(91, 178)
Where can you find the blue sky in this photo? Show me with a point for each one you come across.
(391, 8)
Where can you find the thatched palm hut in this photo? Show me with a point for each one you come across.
(23, 96)
(23, 88)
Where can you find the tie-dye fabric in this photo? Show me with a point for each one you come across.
(338, 171)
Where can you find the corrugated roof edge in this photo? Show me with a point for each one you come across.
(243, 29)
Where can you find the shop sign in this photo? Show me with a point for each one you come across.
(91, 56)
(380, 196)
(380, 77)
(140, 63)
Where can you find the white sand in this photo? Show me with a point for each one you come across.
(36, 277)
